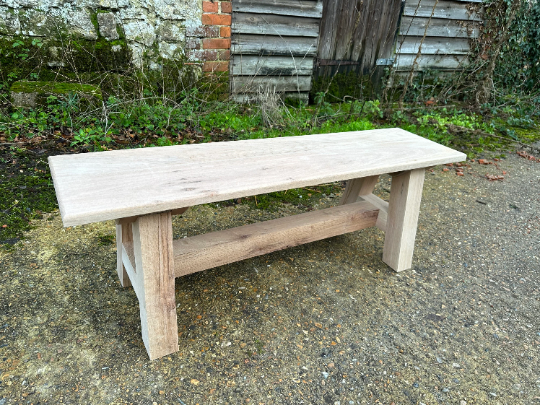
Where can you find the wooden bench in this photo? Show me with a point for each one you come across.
(142, 188)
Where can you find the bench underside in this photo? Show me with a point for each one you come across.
(202, 252)
(150, 260)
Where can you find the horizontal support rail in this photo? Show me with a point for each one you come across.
(203, 252)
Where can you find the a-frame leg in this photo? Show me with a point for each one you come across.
(153, 249)
(358, 187)
(405, 198)
(124, 234)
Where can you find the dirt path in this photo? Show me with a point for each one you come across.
(325, 323)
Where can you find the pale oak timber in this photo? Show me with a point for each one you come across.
(152, 243)
(130, 220)
(100, 186)
(383, 209)
(123, 235)
(214, 249)
(358, 187)
(403, 210)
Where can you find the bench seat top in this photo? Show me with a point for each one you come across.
(101, 186)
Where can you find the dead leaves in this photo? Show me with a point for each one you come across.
(491, 177)
(460, 167)
(525, 155)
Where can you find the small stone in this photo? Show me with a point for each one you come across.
(107, 26)
(456, 365)
(493, 394)
(194, 381)
(462, 402)
(330, 365)
(325, 374)
(416, 385)
(439, 360)
(445, 390)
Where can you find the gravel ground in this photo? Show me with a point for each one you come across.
(324, 323)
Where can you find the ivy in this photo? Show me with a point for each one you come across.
(518, 65)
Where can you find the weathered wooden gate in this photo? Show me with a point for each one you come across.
(358, 36)
(274, 43)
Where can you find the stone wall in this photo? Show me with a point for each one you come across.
(150, 29)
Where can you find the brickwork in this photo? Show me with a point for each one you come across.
(210, 43)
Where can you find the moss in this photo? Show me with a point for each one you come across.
(94, 20)
(55, 88)
(32, 94)
(343, 84)
(22, 58)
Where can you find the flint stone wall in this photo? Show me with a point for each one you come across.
(150, 28)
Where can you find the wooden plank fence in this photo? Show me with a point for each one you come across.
(443, 28)
(274, 43)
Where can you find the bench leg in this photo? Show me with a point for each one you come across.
(123, 234)
(153, 249)
(357, 188)
(405, 197)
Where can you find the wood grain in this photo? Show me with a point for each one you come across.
(438, 28)
(403, 210)
(203, 252)
(100, 186)
(152, 242)
(248, 44)
(382, 205)
(445, 9)
(358, 187)
(358, 31)
(123, 235)
(424, 62)
(299, 8)
(250, 65)
(268, 24)
(255, 84)
(434, 45)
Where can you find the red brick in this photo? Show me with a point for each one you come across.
(217, 43)
(215, 66)
(226, 7)
(225, 32)
(216, 19)
(209, 7)
(225, 55)
(202, 32)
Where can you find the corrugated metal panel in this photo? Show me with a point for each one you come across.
(274, 43)
(436, 35)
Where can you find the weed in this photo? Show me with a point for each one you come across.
(105, 240)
